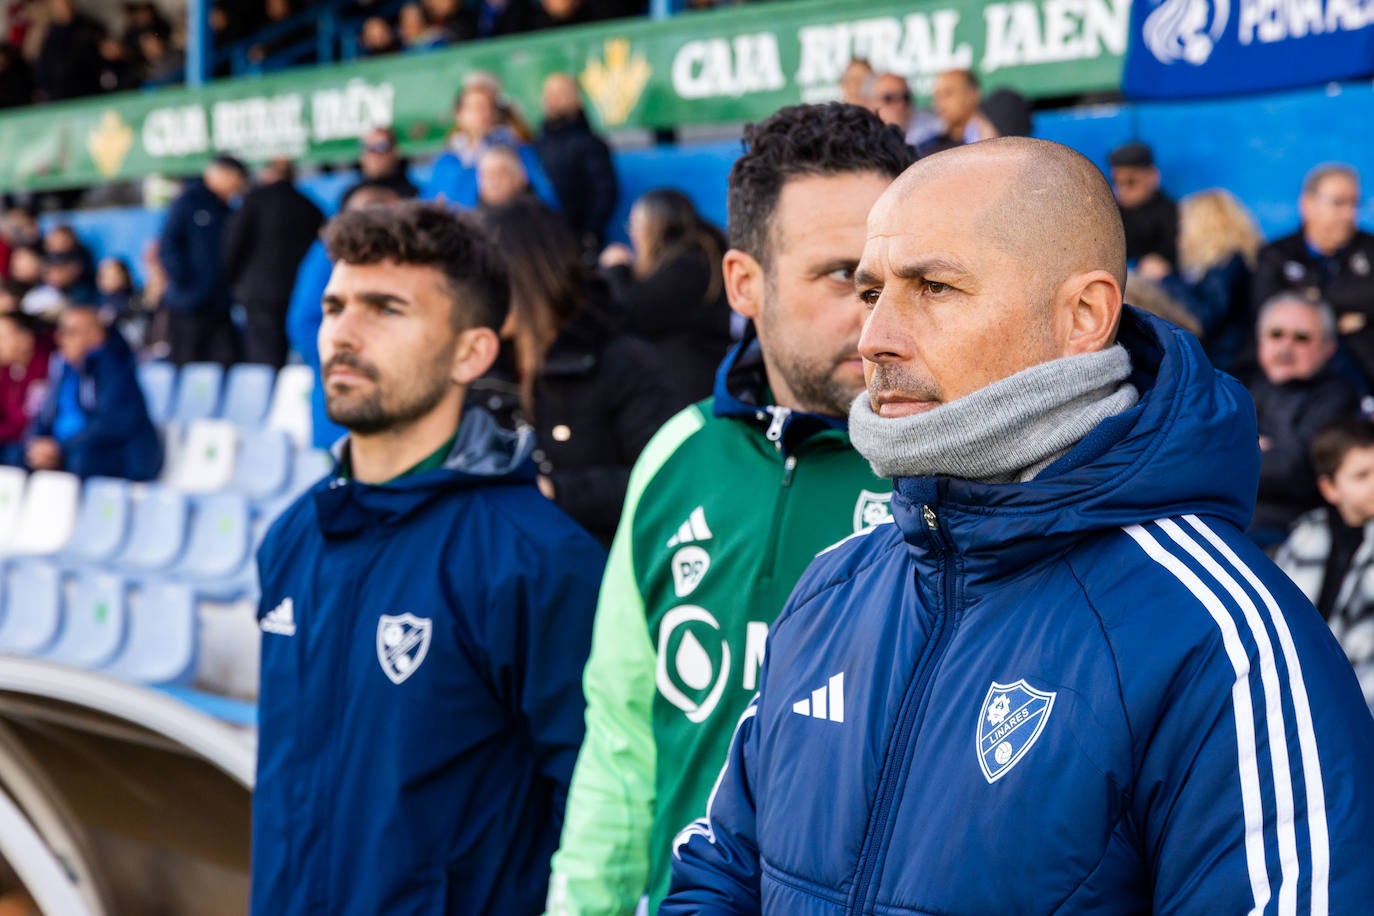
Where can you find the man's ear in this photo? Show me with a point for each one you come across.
(474, 354)
(743, 277)
(1327, 488)
(1092, 303)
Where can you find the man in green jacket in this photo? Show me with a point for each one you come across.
(727, 505)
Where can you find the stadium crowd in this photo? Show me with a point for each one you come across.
(604, 344)
(53, 49)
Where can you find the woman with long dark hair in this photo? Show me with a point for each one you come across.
(669, 290)
(593, 395)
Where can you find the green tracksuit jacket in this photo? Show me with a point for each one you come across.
(726, 507)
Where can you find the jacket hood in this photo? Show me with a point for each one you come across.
(742, 392)
(483, 454)
(1189, 446)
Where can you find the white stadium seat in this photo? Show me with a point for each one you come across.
(290, 410)
(12, 481)
(48, 515)
(206, 460)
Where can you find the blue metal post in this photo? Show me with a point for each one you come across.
(199, 51)
(325, 32)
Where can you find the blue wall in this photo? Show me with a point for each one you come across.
(1257, 147)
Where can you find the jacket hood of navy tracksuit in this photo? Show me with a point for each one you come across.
(1087, 692)
(421, 705)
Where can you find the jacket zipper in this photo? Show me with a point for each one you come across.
(913, 709)
(789, 467)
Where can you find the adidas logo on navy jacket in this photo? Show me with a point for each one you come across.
(420, 711)
(1097, 697)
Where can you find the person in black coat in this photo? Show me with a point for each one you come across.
(191, 249)
(593, 395)
(1328, 257)
(669, 291)
(380, 162)
(264, 245)
(1149, 216)
(577, 161)
(68, 63)
(1297, 392)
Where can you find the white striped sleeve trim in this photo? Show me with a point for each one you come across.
(1273, 714)
(1302, 713)
(1223, 568)
(1242, 704)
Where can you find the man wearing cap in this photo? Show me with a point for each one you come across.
(1149, 215)
(192, 250)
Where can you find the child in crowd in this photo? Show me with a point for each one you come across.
(1330, 552)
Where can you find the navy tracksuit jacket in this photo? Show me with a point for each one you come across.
(1088, 693)
(421, 701)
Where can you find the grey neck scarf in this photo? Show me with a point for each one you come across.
(1008, 431)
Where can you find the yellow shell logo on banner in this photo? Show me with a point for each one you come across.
(615, 83)
(109, 143)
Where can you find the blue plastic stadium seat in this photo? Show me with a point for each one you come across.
(198, 391)
(102, 522)
(218, 542)
(32, 607)
(308, 467)
(247, 392)
(158, 381)
(95, 621)
(264, 465)
(156, 531)
(161, 644)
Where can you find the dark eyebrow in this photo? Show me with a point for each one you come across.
(376, 300)
(863, 278)
(829, 267)
(924, 267)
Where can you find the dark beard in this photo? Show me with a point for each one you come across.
(370, 417)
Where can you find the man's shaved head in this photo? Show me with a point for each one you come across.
(1041, 202)
(982, 261)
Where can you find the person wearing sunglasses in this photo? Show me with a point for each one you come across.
(893, 103)
(1149, 215)
(1297, 392)
(380, 162)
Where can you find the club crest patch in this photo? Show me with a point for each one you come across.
(402, 644)
(872, 509)
(1009, 724)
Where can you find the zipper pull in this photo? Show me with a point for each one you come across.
(932, 520)
(788, 467)
(780, 415)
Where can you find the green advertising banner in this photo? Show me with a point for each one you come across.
(700, 68)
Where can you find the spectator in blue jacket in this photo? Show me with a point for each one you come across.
(481, 121)
(192, 250)
(94, 421)
(303, 315)
(1063, 680)
(426, 611)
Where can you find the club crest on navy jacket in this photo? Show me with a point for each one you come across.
(1084, 693)
(421, 705)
